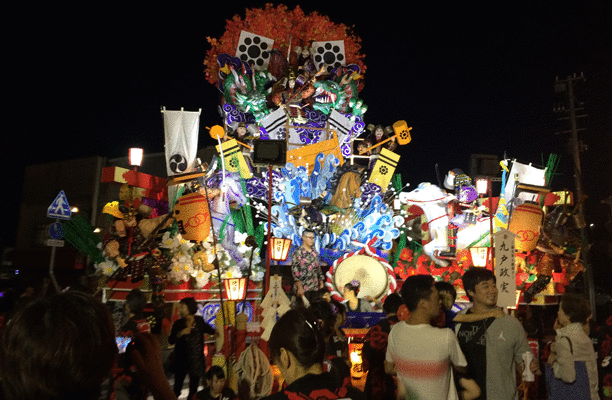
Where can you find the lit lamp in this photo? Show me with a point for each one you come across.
(480, 255)
(279, 248)
(135, 156)
(235, 288)
(482, 186)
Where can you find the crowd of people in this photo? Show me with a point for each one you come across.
(65, 346)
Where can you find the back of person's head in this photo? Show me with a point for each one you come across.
(416, 288)
(444, 286)
(392, 303)
(473, 277)
(215, 371)
(298, 331)
(324, 294)
(576, 307)
(136, 301)
(326, 313)
(59, 347)
(192, 305)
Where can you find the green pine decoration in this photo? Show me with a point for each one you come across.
(79, 233)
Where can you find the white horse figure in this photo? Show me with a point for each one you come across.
(230, 195)
(433, 201)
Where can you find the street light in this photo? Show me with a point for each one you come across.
(482, 186)
(135, 156)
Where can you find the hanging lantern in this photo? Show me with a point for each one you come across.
(480, 255)
(235, 288)
(279, 248)
(193, 216)
(526, 221)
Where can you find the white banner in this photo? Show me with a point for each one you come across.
(181, 132)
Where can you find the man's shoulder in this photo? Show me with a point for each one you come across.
(401, 329)
(508, 321)
(509, 327)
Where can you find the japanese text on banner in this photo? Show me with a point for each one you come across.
(505, 268)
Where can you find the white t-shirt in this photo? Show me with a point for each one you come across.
(423, 356)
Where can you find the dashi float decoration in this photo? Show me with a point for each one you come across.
(292, 80)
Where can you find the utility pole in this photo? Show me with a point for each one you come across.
(567, 86)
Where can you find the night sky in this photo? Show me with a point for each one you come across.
(469, 78)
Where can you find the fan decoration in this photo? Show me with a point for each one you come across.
(289, 30)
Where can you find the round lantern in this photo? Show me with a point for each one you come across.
(193, 216)
(525, 223)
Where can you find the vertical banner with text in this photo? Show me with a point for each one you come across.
(505, 271)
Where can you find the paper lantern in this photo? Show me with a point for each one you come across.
(525, 223)
(235, 288)
(193, 216)
(279, 248)
(480, 255)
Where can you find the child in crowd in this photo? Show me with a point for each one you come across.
(448, 318)
(215, 386)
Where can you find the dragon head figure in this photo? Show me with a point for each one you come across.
(328, 96)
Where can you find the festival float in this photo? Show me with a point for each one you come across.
(294, 152)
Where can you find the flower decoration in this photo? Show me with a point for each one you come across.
(287, 28)
(201, 278)
(107, 268)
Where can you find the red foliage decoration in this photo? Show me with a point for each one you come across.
(284, 26)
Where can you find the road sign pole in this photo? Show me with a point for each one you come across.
(52, 265)
(59, 209)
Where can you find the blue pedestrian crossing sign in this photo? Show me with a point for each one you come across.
(60, 207)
